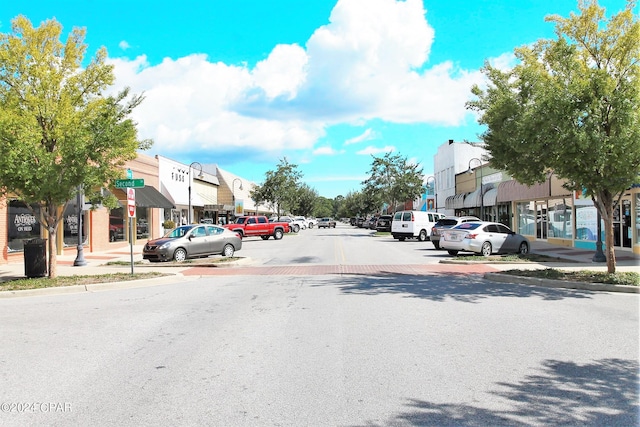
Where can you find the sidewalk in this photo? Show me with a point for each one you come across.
(576, 258)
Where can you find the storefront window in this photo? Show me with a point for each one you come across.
(23, 225)
(70, 224)
(116, 225)
(637, 220)
(525, 219)
(142, 223)
(586, 223)
(560, 224)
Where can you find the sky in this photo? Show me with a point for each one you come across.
(326, 84)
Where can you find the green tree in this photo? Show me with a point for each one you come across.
(571, 106)
(58, 131)
(306, 200)
(323, 208)
(392, 180)
(280, 188)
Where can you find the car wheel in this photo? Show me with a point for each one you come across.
(296, 228)
(436, 244)
(277, 234)
(401, 239)
(422, 236)
(265, 237)
(180, 255)
(452, 252)
(228, 250)
(486, 249)
(523, 249)
(310, 225)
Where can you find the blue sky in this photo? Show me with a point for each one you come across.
(324, 83)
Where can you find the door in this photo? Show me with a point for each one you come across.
(216, 241)
(541, 220)
(198, 242)
(622, 224)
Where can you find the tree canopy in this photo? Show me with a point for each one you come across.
(280, 188)
(571, 106)
(58, 129)
(392, 180)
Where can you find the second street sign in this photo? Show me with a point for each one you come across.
(129, 183)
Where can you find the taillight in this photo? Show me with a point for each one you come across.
(471, 236)
(412, 218)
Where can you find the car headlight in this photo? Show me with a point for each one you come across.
(165, 246)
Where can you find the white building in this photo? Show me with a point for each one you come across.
(451, 159)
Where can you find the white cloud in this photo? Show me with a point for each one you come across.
(368, 62)
(367, 135)
(370, 150)
(326, 151)
(124, 45)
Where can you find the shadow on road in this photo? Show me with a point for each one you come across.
(601, 393)
(460, 287)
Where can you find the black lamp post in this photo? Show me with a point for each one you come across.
(599, 256)
(80, 261)
(200, 175)
(481, 176)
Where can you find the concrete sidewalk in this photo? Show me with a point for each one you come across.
(96, 263)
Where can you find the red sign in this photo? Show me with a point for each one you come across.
(131, 202)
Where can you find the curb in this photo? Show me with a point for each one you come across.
(98, 287)
(550, 283)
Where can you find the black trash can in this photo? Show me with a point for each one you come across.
(35, 258)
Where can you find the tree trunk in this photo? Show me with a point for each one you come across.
(604, 205)
(53, 252)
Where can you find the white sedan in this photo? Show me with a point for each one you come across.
(485, 238)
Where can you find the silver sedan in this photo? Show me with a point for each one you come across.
(485, 238)
(192, 241)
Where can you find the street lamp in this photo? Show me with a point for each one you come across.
(233, 192)
(80, 261)
(470, 171)
(435, 197)
(200, 175)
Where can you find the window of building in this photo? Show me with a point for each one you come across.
(637, 220)
(22, 225)
(586, 223)
(560, 222)
(70, 225)
(142, 223)
(525, 219)
(116, 225)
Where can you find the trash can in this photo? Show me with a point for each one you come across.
(35, 258)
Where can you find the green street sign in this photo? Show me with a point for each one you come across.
(129, 183)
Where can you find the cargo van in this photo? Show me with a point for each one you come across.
(413, 224)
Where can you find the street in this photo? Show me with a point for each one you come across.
(377, 349)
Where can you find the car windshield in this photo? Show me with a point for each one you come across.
(178, 232)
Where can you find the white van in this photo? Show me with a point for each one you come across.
(413, 224)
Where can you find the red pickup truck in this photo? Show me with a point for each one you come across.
(258, 225)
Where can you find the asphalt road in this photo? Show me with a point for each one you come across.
(322, 350)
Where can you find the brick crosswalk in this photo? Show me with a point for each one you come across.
(310, 270)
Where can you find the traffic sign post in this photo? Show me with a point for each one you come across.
(131, 208)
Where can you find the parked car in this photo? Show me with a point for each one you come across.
(326, 223)
(445, 223)
(371, 223)
(295, 224)
(413, 224)
(384, 223)
(360, 222)
(192, 241)
(485, 238)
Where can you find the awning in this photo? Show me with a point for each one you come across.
(147, 197)
(473, 199)
(458, 201)
(207, 199)
(448, 203)
(490, 197)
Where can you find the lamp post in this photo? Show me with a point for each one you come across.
(435, 197)
(200, 175)
(233, 192)
(599, 256)
(481, 176)
(80, 261)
